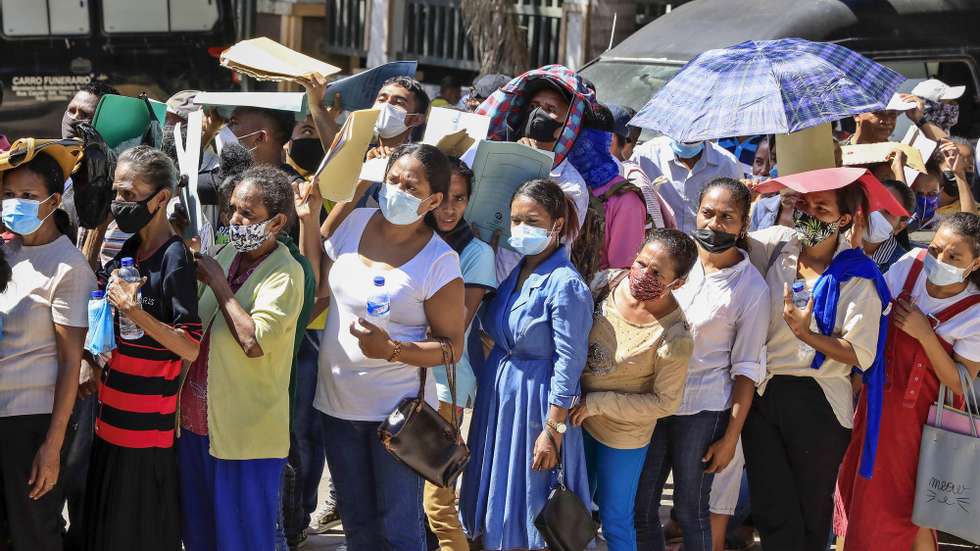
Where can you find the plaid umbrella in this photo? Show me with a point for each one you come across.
(767, 87)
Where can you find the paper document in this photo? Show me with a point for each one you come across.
(499, 168)
(808, 149)
(442, 122)
(338, 173)
(265, 59)
(281, 101)
(873, 153)
(359, 91)
(188, 161)
(924, 145)
(455, 144)
(374, 170)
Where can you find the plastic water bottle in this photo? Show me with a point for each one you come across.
(95, 299)
(379, 304)
(127, 329)
(801, 297)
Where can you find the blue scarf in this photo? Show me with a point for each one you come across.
(826, 293)
(591, 157)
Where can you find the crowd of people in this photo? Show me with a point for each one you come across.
(642, 320)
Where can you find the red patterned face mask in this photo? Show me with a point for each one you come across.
(646, 286)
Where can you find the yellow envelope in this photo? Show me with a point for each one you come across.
(265, 59)
(455, 144)
(338, 172)
(805, 150)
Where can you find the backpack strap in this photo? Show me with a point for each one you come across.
(775, 254)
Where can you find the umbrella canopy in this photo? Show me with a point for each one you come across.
(767, 87)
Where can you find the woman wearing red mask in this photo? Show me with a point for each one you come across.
(639, 349)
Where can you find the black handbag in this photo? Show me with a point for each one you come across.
(416, 435)
(564, 522)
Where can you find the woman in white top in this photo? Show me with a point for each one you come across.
(366, 370)
(800, 424)
(725, 300)
(45, 315)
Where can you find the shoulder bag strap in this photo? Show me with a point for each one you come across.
(610, 287)
(560, 471)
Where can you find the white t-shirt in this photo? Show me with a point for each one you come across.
(350, 386)
(963, 330)
(50, 285)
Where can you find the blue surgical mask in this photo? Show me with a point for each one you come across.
(686, 150)
(398, 207)
(20, 215)
(925, 207)
(529, 240)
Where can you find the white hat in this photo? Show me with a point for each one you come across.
(898, 104)
(936, 90)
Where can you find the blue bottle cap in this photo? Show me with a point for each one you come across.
(97, 295)
(379, 281)
(126, 262)
(798, 285)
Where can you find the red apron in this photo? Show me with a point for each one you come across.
(876, 514)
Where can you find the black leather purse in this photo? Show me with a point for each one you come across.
(416, 435)
(564, 522)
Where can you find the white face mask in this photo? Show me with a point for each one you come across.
(398, 207)
(879, 228)
(942, 274)
(391, 121)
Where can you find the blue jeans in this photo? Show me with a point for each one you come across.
(613, 477)
(381, 498)
(679, 442)
(307, 437)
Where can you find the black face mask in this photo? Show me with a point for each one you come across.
(307, 153)
(132, 216)
(540, 126)
(714, 241)
(949, 185)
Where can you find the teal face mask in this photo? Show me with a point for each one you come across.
(20, 215)
(529, 240)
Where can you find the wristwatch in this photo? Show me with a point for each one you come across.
(560, 428)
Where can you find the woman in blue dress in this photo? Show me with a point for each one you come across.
(539, 321)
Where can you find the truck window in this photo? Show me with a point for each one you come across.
(44, 17)
(154, 16)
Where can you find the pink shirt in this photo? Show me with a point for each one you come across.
(626, 217)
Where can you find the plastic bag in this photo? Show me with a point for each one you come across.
(101, 338)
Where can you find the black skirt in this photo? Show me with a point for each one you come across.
(131, 499)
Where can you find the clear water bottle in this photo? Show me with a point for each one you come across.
(127, 329)
(379, 304)
(801, 297)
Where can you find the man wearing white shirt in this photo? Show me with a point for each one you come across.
(688, 167)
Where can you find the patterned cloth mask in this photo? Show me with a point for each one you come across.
(248, 238)
(812, 230)
(646, 286)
